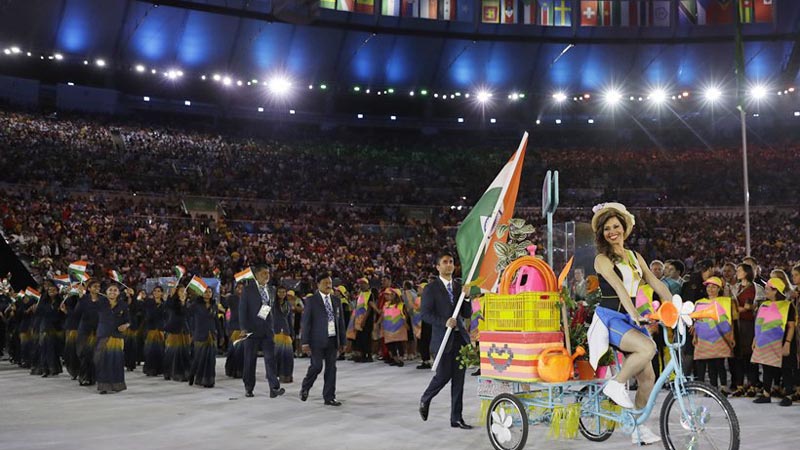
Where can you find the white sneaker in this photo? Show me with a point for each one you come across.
(618, 394)
(644, 436)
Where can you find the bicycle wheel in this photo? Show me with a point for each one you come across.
(592, 427)
(507, 423)
(710, 421)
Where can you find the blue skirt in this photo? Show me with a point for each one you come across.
(109, 363)
(618, 324)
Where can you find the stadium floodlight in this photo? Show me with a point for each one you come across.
(758, 92)
(712, 94)
(187, 103)
(559, 97)
(658, 96)
(140, 68)
(460, 120)
(279, 85)
(227, 81)
(100, 62)
(15, 50)
(58, 56)
(612, 97)
(513, 96)
(492, 120)
(261, 109)
(483, 95)
(216, 77)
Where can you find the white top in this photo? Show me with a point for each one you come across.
(630, 278)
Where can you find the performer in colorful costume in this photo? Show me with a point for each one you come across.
(774, 346)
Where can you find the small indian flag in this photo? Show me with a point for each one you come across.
(21, 294)
(31, 292)
(216, 272)
(78, 266)
(180, 271)
(246, 274)
(61, 280)
(197, 285)
(116, 276)
(82, 277)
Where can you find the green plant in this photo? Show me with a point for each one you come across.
(517, 243)
(607, 359)
(469, 356)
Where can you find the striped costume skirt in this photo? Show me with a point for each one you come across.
(71, 360)
(204, 363)
(234, 362)
(177, 359)
(109, 363)
(153, 353)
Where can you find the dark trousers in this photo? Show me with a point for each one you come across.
(319, 355)
(742, 367)
(658, 359)
(424, 344)
(251, 347)
(448, 371)
(717, 375)
(785, 373)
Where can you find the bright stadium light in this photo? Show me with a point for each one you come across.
(216, 77)
(58, 56)
(279, 85)
(559, 97)
(712, 94)
(758, 92)
(483, 96)
(140, 68)
(227, 81)
(612, 97)
(100, 62)
(16, 50)
(658, 96)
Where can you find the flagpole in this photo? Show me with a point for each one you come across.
(484, 241)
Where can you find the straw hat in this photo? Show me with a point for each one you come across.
(777, 284)
(618, 207)
(716, 281)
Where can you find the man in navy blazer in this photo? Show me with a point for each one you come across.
(255, 316)
(323, 336)
(439, 301)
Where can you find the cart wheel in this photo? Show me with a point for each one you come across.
(592, 427)
(710, 421)
(507, 423)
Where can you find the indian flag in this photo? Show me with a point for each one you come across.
(116, 276)
(31, 292)
(475, 238)
(246, 274)
(61, 280)
(197, 285)
(82, 277)
(180, 271)
(77, 267)
(20, 294)
(216, 272)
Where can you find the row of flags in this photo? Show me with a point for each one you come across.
(561, 13)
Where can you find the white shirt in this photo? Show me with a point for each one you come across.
(452, 288)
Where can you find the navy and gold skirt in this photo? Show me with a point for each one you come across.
(71, 360)
(204, 364)
(131, 349)
(109, 363)
(25, 345)
(85, 347)
(234, 363)
(153, 353)
(177, 356)
(49, 354)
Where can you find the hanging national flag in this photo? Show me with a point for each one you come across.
(763, 11)
(711, 12)
(428, 9)
(33, 293)
(61, 280)
(500, 197)
(448, 10)
(77, 267)
(527, 11)
(409, 8)
(246, 274)
(562, 13)
(391, 7)
(346, 5)
(588, 13)
(116, 276)
(490, 11)
(545, 12)
(627, 10)
(365, 6)
(180, 271)
(661, 13)
(197, 285)
(509, 11)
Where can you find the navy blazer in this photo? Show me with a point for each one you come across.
(314, 323)
(249, 305)
(436, 309)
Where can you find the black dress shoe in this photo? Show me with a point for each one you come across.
(333, 402)
(423, 410)
(248, 394)
(461, 424)
(303, 394)
(477, 373)
(276, 392)
(424, 365)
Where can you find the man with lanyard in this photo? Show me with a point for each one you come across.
(255, 319)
